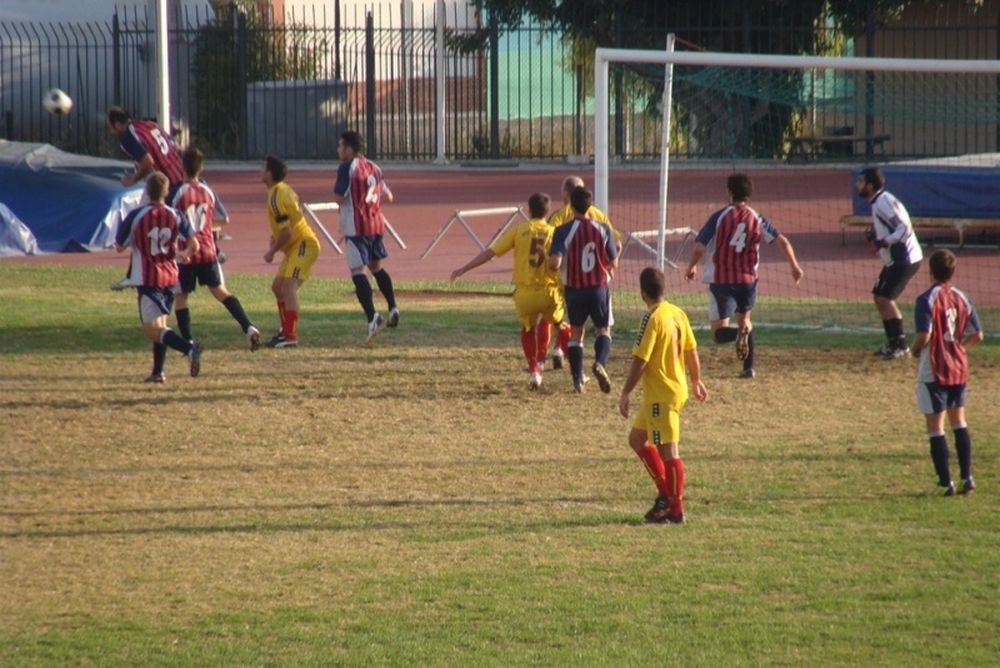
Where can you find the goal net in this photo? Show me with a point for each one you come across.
(801, 128)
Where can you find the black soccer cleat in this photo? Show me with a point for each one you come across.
(557, 359)
(602, 377)
(155, 378)
(748, 373)
(968, 486)
(661, 506)
(393, 317)
(950, 489)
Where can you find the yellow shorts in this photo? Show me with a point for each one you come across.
(660, 421)
(533, 302)
(299, 259)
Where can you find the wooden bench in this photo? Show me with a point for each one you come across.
(806, 146)
(926, 222)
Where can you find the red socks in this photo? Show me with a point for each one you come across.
(290, 324)
(654, 466)
(562, 338)
(528, 346)
(542, 340)
(675, 484)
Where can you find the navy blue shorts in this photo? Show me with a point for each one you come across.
(583, 303)
(362, 251)
(204, 273)
(935, 398)
(727, 299)
(892, 280)
(154, 302)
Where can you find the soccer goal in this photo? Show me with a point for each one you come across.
(802, 128)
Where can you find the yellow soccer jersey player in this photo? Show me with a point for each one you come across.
(536, 291)
(537, 296)
(662, 357)
(302, 247)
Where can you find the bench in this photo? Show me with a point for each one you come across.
(926, 222)
(806, 146)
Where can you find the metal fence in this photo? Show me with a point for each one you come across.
(245, 85)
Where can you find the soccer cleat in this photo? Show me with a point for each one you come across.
(393, 317)
(194, 359)
(578, 387)
(535, 380)
(743, 343)
(123, 283)
(557, 359)
(253, 338)
(156, 378)
(602, 377)
(883, 351)
(895, 353)
(968, 486)
(282, 341)
(748, 373)
(950, 489)
(660, 506)
(373, 327)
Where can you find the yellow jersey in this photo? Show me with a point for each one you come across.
(566, 214)
(530, 242)
(283, 212)
(664, 336)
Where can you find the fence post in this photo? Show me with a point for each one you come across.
(116, 56)
(370, 138)
(440, 72)
(241, 82)
(494, 88)
(336, 40)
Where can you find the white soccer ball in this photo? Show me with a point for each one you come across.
(57, 102)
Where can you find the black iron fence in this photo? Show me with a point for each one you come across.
(244, 85)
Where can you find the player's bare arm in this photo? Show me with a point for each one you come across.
(277, 243)
(634, 376)
(339, 199)
(696, 255)
(920, 341)
(786, 247)
(387, 194)
(555, 261)
(190, 249)
(973, 339)
(693, 363)
(143, 168)
(477, 261)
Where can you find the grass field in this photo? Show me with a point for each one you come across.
(413, 503)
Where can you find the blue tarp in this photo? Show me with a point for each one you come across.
(69, 202)
(949, 192)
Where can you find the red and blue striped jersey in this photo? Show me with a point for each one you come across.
(588, 249)
(142, 137)
(197, 201)
(361, 184)
(948, 316)
(153, 230)
(732, 239)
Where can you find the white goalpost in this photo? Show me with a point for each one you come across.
(604, 57)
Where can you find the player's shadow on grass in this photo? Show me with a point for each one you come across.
(504, 525)
(311, 466)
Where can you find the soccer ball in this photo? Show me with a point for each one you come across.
(57, 102)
